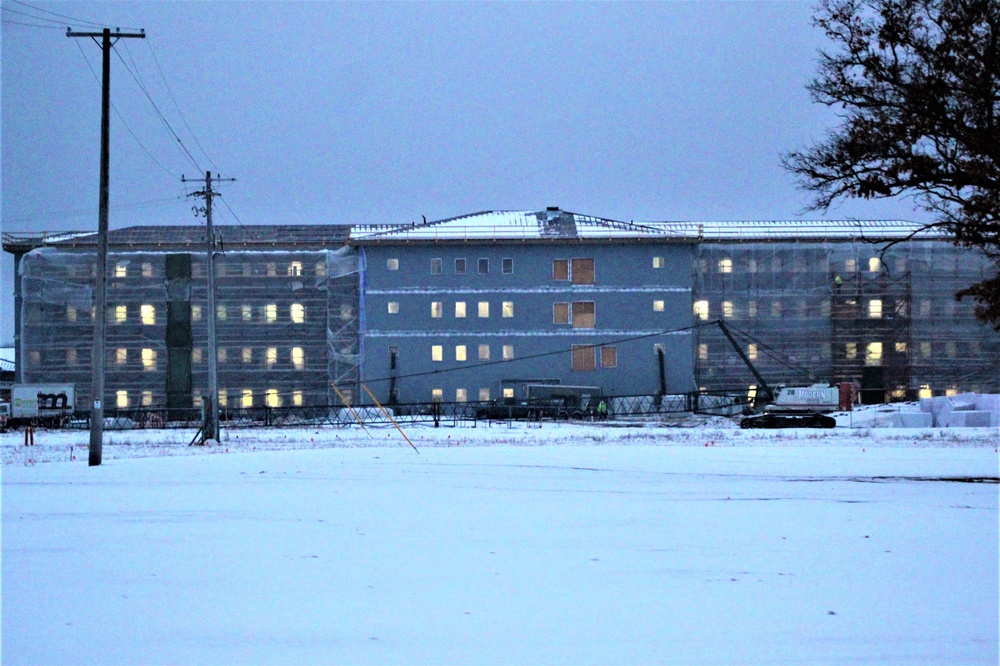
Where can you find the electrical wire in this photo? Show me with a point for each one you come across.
(63, 16)
(33, 25)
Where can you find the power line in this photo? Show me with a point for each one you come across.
(33, 25)
(80, 212)
(69, 18)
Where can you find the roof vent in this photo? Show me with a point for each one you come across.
(552, 208)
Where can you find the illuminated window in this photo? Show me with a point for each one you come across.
(71, 357)
(195, 313)
(273, 399)
(507, 266)
(436, 266)
(437, 395)
(873, 353)
(297, 398)
(295, 269)
(459, 309)
(583, 358)
(727, 309)
(752, 351)
(246, 401)
(147, 269)
(460, 266)
(560, 269)
(196, 355)
(121, 399)
(346, 310)
(221, 354)
(147, 398)
(271, 357)
(560, 313)
(583, 314)
(484, 394)
(437, 308)
(35, 357)
(609, 357)
(70, 313)
(850, 265)
(508, 352)
(875, 309)
(121, 269)
(298, 358)
(247, 354)
(147, 314)
(461, 395)
(657, 262)
(508, 393)
(460, 353)
(752, 308)
(925, 349)
(223, 398)
(874, 265)
(393, 307)
(658, 306)
(121, 314)
(484, 266)
(484, 352)
(851, 350)
(725, 265)
(484, 309)
(121, 356)
(297, 311)
(702, 351)
(392, 264)
(247, 311)
(437, 353)
(900, 347)
(220, 312)
(271, 313)
(701, 309)
(320, 269)
(149, 359)
(925, 392)
(508, 308)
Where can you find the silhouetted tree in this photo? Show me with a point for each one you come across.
(916, 85)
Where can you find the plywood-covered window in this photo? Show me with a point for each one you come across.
(583, 358)
(560, 313)
(609, 357)
(583, 314)
(582, 271)
(560, 269)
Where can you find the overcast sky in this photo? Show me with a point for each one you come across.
(369, 113)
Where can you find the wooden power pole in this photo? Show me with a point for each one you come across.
(100, 295)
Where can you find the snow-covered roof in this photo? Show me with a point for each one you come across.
(555, 224)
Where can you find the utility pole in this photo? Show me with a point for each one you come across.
(100, 297)
(210, 429)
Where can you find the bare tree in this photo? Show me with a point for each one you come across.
(917, 87)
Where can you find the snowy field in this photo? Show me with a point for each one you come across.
(566, 544)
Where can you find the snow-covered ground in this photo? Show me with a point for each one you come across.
(561, 544)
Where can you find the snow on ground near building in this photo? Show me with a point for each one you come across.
(560, 544)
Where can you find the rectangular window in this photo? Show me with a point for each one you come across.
(460, 353)
(220, 312)
(609, 357)
(752, 309)
(121, 269)
(508, 393)
(508, 309)
(727, 309)
(460, 267)
(701, 309)
(437, 308)
(508, 266)
(484, 266)
(873, 353)
(582, 271)
(851, 350)
(149, 359)
(271, 313)
(583, 314)
(221, 354)
(197, 355)
(484, 352)
(702, 351)
(437, 353)
(320, 269)
(725, 265)
(484, 309)
(752, 351)
(583, 358)
(121, 399)
(295, 269)
(70, 313)
(195, 313)
(751, 265)
(776, 308)
(247, 312)
(560, 269)
(297, 398)
(459, 309)
(393, 307)
(951, 349)
(484, 394)
(223, 398)
(246, 400)
(437, 395)
(121, 356)
(346, 311)
(298, 358)
(147, 269)
(121, 314)
(436, 264)
(900, 347)
(247, 354)
(392, 264)
(271, 357)
(850, 265)
(297, 312)
(147, 398)
(874, 265)
(461, 395)
(657, 262)
(508, 352)
(273, 399)
(658, 306)
(875, 309)
(71, 357)
(925, 349)
(560, 313)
